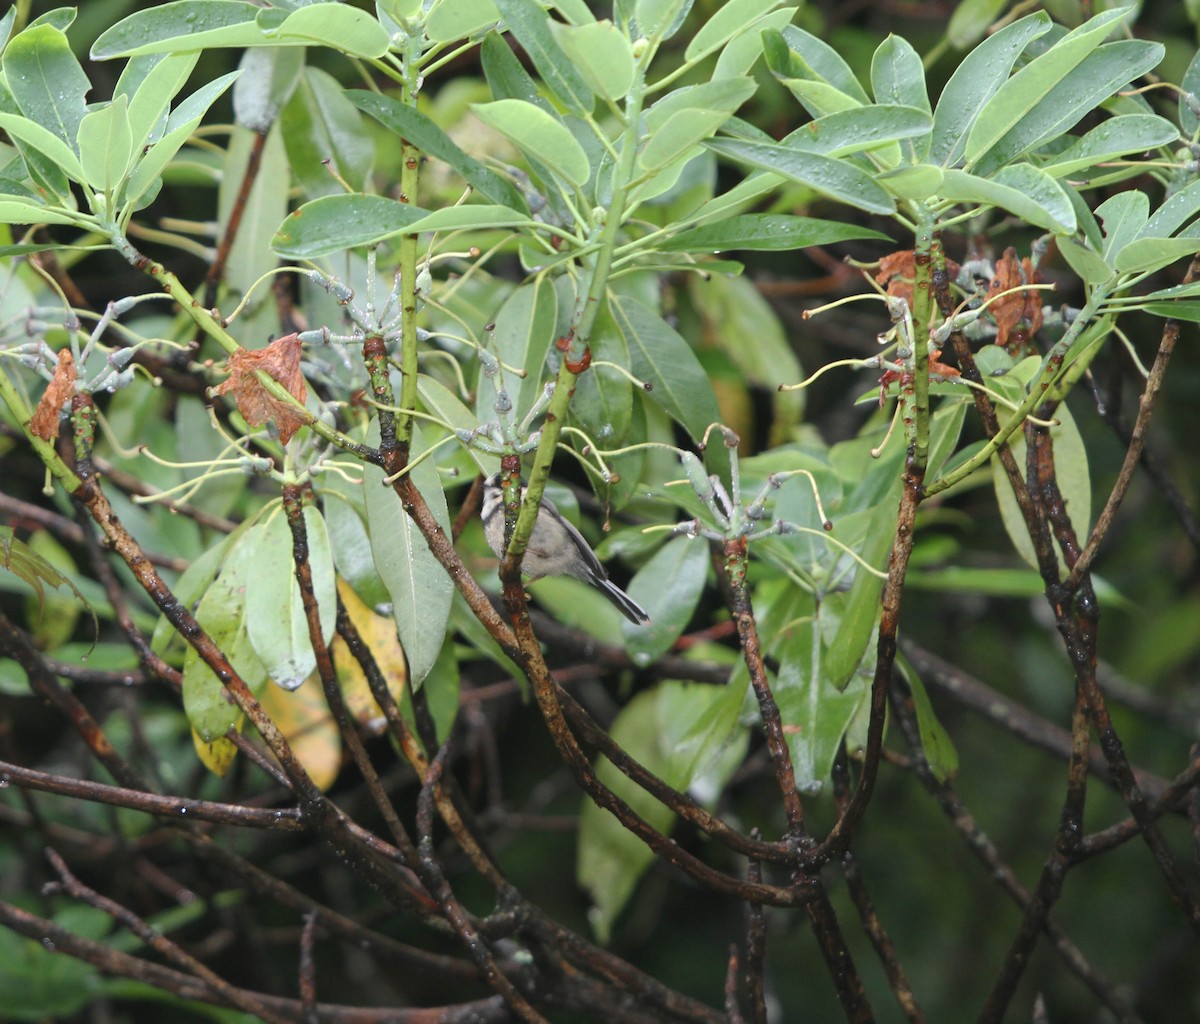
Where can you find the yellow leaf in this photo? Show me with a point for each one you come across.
(216, 755)
(379, 634)
(306, 723)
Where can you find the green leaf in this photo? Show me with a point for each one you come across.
(1189, 311)
(1173, 213)
(106, 145)
(824, 63)
(194, 583)
(530, 26)
(24, 562)
(1019, 95)
(669, 587)
(1089, 265)
(332, 223)
(45, 142)
(1178, 291)
(859, 129)
(834, 178)
(970, 20)
(1147, 254)
(860, 611)
(411, 124)
(678, 731)
(767, 232)
(342, 505)
(420, 589)
(46, 81)
(815, 714)
(936, 743)
(186, 25)
(506, 75)
(725, 95)
(6, 25)
(916, 181)
(1021, 190)
(268, 77)
(148, 170)
(320, 123)
(603, 401)
(523, 336)
(660, 19)
(443, 403)
(601, 54)
(1116, 137)
(196, 105)
(727, 21)
(539, 134)
(451, 20)
(898, 76)
(743, 50)
(660, 356)
(1189, 105)
(733, 309)
(13, 211)
(575, 11)
(1124, 217)
(275, 620)
(975, 81)
(222, 614)
(682, 131)
(1074, 483)
(1093, 81)
(261, 211)
(151, 83)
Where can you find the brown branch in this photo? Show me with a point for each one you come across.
(112, 961)
(1146, 405)
(1014, 717)
(221, 989)
(453, 911)
(981, 846)
(1170, 799)
(732, 571)
(869, 916)
(838, 838)
(316, 808)
(680, 803)
(21, 512)
(733, 1013)
(176, 807)
(294, 500)
(756, 950)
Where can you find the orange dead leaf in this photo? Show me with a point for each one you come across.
(1019, 314)
(280, 360)
(896, 272)
(44, 423)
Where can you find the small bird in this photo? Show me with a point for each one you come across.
(555, 548)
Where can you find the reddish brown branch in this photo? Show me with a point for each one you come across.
(112, 961)
(221, 990)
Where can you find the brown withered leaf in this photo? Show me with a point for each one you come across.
(1018, 316)
(44, 423)
(897, 271)
(279, 360)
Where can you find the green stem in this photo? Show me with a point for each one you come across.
(598, 266)
(923, 312)
(1039, 390)
(410, 170)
